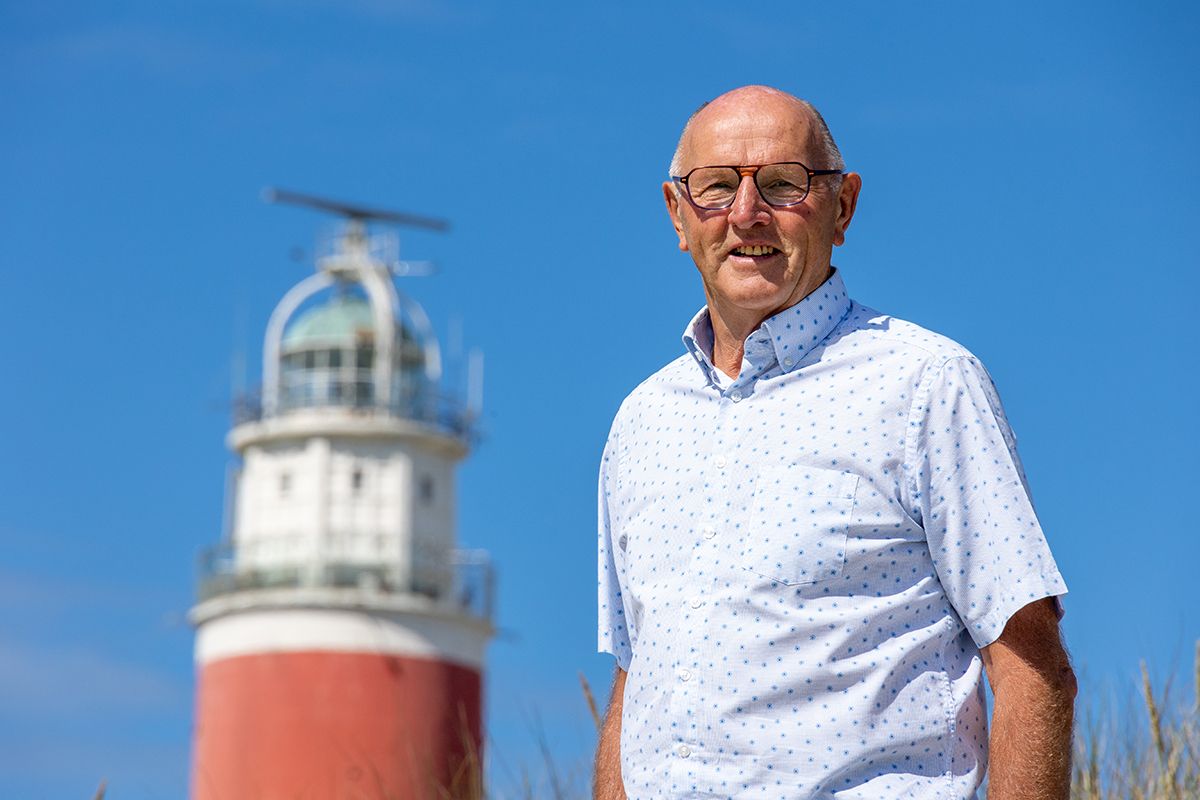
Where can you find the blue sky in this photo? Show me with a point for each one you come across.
(1029, 189)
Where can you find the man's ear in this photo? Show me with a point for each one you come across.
(671, 195)
(847, 202)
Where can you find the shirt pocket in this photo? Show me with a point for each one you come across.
(799, 521)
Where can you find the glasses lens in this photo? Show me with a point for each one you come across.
(782, 184)
(713, 187)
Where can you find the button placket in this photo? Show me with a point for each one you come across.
(696, 612)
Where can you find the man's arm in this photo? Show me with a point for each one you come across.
(608, 784)
(1034, 689)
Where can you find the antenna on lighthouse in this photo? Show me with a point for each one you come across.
(475, 383)
(353, 212)
(357, 216)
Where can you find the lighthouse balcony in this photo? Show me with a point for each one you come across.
(443, 413)
(465, 586)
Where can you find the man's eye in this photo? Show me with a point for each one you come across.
(715, 189)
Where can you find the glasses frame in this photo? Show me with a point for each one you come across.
(751, 171)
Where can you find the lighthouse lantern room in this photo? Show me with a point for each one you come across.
(340, 631)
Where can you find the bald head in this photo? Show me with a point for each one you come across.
(762, 99)
(756, 257)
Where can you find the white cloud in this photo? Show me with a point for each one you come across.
(439, 11)
(70, 681)
(156, 50)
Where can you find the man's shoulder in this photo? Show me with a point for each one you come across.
(677, 378)
(878, 334)
(677, 375)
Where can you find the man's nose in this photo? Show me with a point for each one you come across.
(748, 207)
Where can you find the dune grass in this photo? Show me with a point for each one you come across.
(1153, 757)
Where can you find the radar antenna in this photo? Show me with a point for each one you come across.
(355, 213)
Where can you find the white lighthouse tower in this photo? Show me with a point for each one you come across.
(340, 631)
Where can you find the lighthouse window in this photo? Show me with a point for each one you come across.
(310, 359)
(425, 489)
(335, 358)
(365, 357)
(356, 480)
(285, 484)
(364, 395)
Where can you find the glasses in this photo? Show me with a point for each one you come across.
(781, 185)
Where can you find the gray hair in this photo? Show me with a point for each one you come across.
(827, 149)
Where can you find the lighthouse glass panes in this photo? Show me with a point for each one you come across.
(410, 388)
(328, 377)
(328, 359)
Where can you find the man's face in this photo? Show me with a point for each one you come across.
(748, 127)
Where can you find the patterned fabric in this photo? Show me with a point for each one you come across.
(797, 567)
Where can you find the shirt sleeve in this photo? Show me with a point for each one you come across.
(615, 635)
(971, 495)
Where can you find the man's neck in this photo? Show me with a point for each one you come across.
(729, 341)
(731, 326)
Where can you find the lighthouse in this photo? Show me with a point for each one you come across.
(340, 630)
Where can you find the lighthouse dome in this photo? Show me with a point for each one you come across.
(328, 357)
(343, 318)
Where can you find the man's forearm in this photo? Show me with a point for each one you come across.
(1030, 746)
(607, 780)
(1030, 749)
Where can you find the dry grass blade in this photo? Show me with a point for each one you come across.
(1156, 734)
(1086, 777)
(100, 790)
(1166, 747)
(591, 701)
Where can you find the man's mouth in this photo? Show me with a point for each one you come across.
(754, 250)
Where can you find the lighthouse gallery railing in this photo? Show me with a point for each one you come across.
(469, 589)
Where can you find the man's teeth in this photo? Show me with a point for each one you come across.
(754, 250)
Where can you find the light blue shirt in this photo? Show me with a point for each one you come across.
(798, 567)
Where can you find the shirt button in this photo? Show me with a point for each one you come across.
(685, 674)
(709, 531)
(696, 602)
(719, 462)
(787, 362)
(683, 750)
(735, 395)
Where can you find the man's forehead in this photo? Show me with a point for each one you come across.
(776, 130)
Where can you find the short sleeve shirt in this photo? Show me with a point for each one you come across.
(797, 567)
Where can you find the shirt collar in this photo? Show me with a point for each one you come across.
(784, 339)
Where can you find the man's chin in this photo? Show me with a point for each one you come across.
(757, 294)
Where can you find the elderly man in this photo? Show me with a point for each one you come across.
(815, 533)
